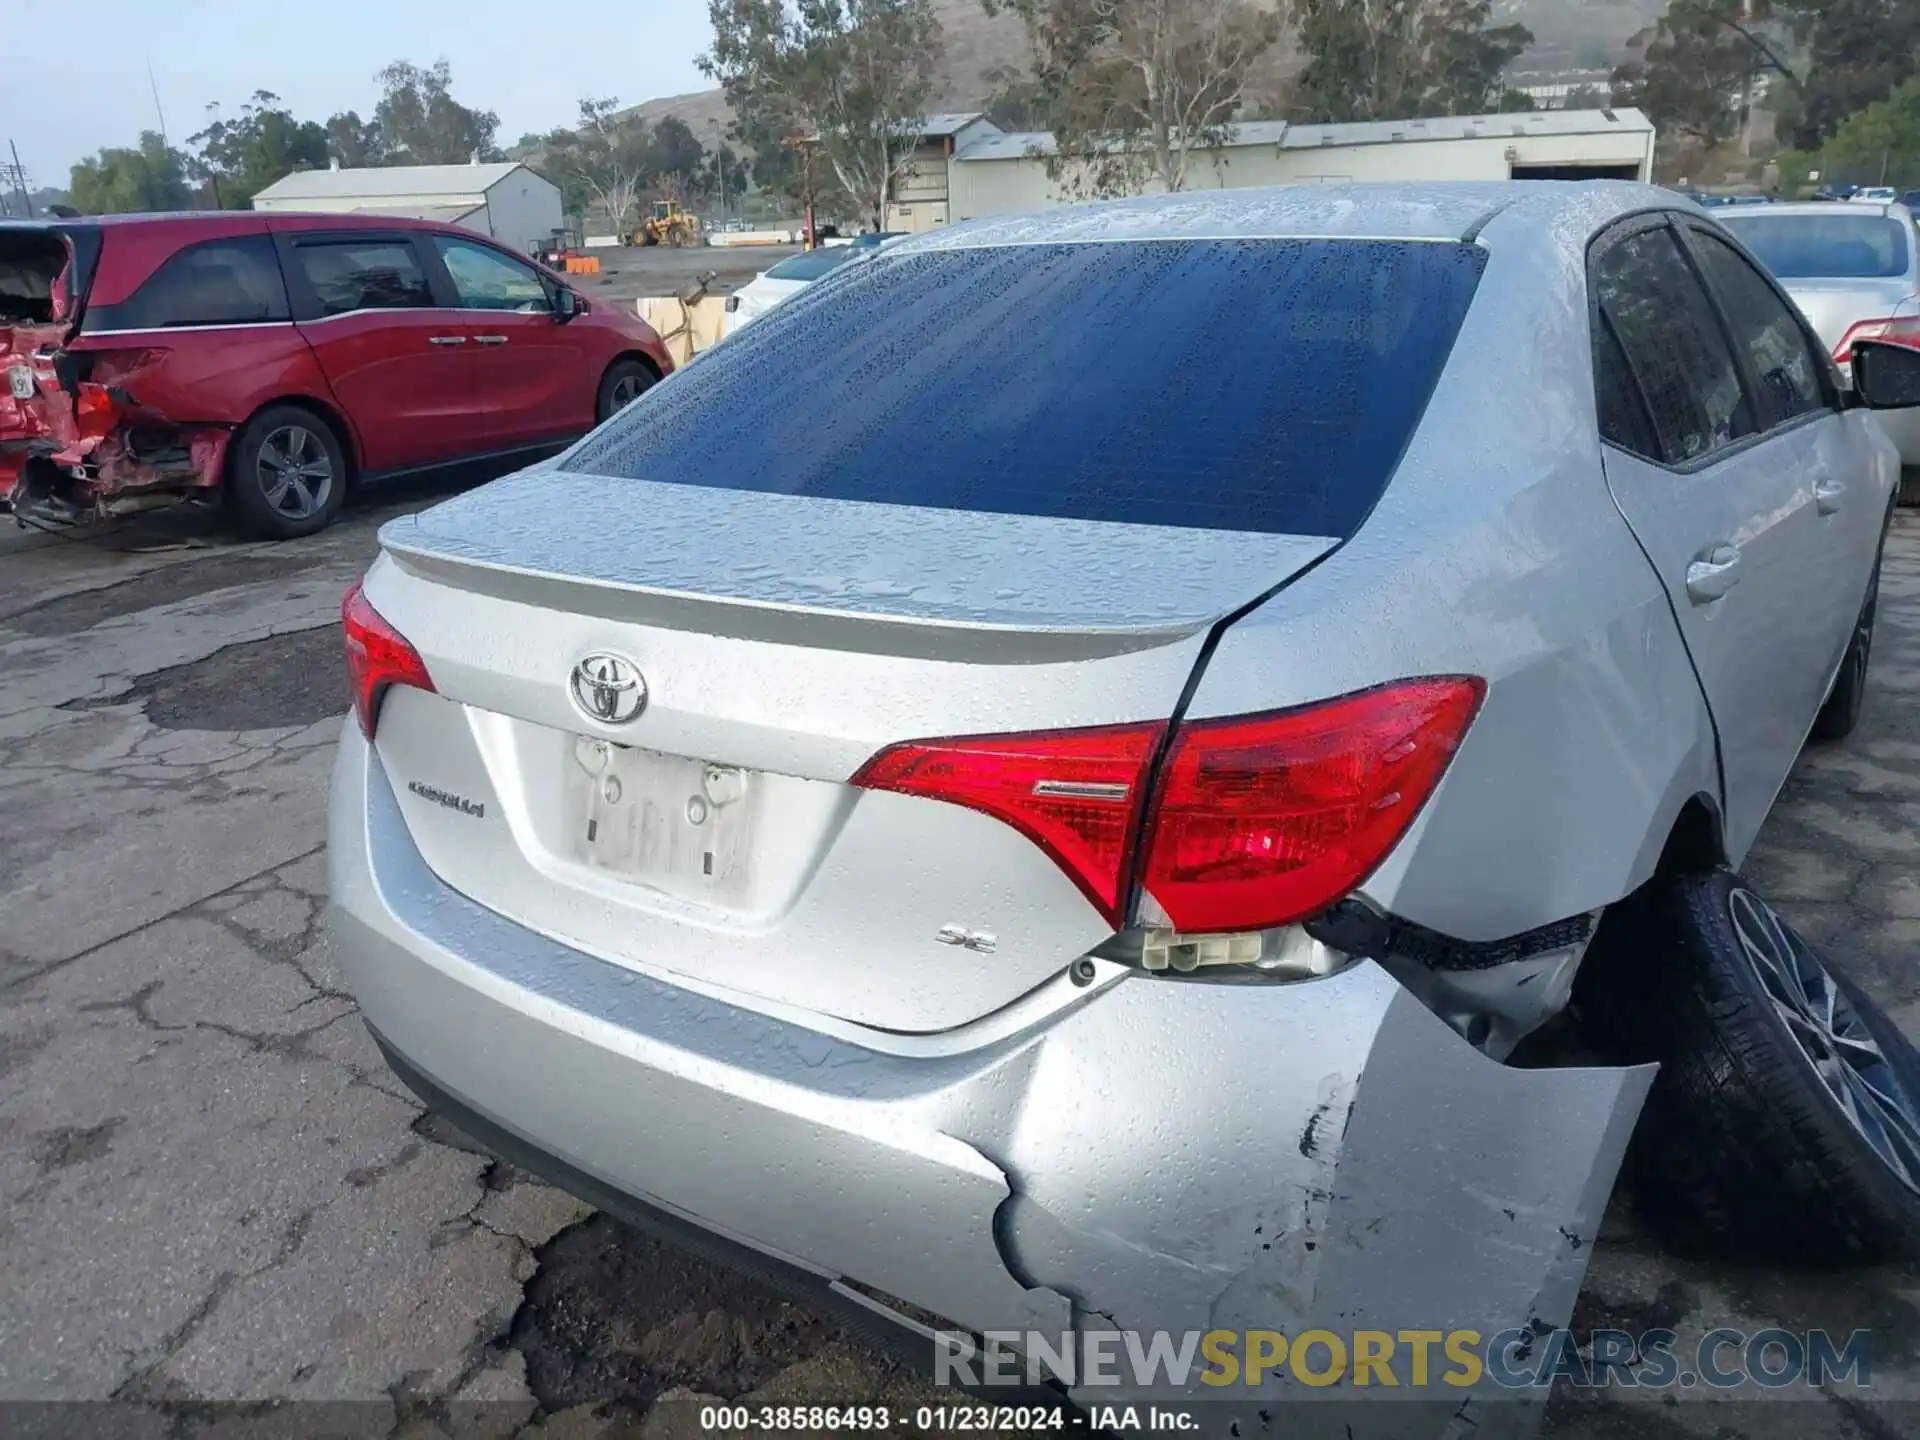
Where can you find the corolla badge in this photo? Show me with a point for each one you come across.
(609, 688)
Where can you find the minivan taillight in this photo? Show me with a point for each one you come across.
(1902, 331)
(377, 656)
(1257, 820)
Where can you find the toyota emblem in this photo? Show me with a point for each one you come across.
(609, 688)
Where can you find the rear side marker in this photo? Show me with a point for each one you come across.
(1257, 821)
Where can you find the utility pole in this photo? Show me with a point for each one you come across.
(17, 173)
(159, 114)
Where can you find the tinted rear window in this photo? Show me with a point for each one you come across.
(1835, 246)
(1237, 385)
(812, 264)
(235, 281)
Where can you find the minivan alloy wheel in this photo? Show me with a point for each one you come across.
(294, 472)
(626, 390)
(1828, 1030)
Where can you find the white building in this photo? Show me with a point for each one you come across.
(506, 200)
(988, 171)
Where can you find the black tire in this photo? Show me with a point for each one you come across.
(1743, 1148)
(625, 382)
(1841, 712)
(290, 443)
(1909, 486)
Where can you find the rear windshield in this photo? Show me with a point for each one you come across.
(811, 264)
(1265, 385)
(1835, 246)
(30, 264)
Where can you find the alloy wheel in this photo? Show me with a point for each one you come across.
(1829, 1031)
(294, 472)
(626, 390)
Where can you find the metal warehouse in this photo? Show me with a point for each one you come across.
(506, 201)
(964, 167)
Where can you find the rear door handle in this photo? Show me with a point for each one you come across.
(1827, 495)
(490, 339)
(1713, 574)
(446, 339)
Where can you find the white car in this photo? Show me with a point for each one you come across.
(782, 282)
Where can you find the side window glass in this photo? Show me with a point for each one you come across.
(1763, 326)
(1623, 414)
(218, 282)
(364, 275)
(484, 279)
(1674, 344)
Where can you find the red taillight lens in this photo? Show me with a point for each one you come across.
(1904, 331)
(1259, 820)
(377, 656)
(1074, 793)
(1263, 820)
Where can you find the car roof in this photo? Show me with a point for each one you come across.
(1824, 207)
(1445, 211)
(209, 219)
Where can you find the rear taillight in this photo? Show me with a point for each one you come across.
(1257, 821)
(377, 656)
(1904, 330)
(1263, 820)
(1074, 793)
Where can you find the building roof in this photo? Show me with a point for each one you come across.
(1424, 211)
(447, 214)
(1527, 123)
(391, 180)
(935, 126)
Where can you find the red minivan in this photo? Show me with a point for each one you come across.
(274, 360)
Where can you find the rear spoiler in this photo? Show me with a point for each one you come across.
(840, 574)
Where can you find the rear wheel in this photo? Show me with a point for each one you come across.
(625, 382)
(286, 474)
(1785, 1120)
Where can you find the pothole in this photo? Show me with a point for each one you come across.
(163, 585)
(284, 680)
(615, 1316)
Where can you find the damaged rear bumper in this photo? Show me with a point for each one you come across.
(1139, 1155)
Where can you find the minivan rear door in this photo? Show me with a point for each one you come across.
(397, 355)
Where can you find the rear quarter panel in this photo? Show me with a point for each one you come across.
(1497, 552)
(214, 376)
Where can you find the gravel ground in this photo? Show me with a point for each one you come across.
(214, 1199)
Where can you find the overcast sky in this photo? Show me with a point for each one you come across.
(83, 83)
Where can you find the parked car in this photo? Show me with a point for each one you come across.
(1911, 199)
(1855, 272)
(782, 282)
(1876, 195)
(1065, 817)
(275, 360)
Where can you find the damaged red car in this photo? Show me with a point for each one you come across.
(271, 362)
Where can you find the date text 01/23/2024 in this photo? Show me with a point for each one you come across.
(933, 1419)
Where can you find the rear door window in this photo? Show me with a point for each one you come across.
(1673, 342)
(1263, 385)
(348, 275)
(1782, 359)
(235, 281)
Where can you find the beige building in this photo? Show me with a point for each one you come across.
(966, 168)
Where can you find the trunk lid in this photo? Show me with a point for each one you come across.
(713, 836)
(1834, 307)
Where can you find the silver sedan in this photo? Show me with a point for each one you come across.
(1051, 783)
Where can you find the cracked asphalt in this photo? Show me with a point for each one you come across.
(214, 1199)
